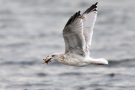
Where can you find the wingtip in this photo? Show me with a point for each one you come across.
(78, 13)
(96, 3)
(93, 7)
(72, 18)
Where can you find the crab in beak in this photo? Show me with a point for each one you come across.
(47, 60)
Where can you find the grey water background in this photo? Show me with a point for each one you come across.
(32, 29)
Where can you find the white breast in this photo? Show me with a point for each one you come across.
(73, 60)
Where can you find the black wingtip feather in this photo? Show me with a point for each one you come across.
(72, 18)
(92, 8)
(77, 14)
(96, 3)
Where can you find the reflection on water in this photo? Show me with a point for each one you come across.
(31, 29)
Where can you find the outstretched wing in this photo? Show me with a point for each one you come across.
(89, 19)
(73, 35)
(78, 31)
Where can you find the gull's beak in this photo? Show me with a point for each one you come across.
(47, 61)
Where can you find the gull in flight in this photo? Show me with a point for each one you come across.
(77, 35)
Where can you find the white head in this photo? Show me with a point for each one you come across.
(49, 58)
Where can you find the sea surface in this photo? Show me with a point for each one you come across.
(32, 29)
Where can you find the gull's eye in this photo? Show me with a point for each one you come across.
(53, 55)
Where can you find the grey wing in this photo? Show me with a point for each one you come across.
(89, 19)
(73, 35)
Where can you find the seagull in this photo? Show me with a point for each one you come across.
(77, 35)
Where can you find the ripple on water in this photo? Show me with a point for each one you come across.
(70, 74)
(42, 74)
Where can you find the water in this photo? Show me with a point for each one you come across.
(31, 29)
